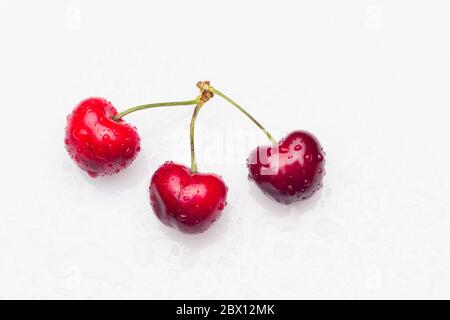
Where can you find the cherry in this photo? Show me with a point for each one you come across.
(98, 143)
(190, 202)
(183, 198)
(287, 171)
(290, 170)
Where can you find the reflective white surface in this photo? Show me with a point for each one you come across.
(369, 78)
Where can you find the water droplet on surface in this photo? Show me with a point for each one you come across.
(298, 147)
(319, 157)
(138, 149)
(105, 137)
(308, 157)
(306, 182)
(221, 206)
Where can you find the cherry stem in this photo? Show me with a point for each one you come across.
(199, 105)
(156, 105)
(204, 97)
(215, 91)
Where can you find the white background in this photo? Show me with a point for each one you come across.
(370, 79)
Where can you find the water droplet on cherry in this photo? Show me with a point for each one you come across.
(290, 190)
(100, 154)
(284, 150)
(92, 174)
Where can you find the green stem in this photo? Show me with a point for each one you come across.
(199, 105)
(155, 105)
(215, 91)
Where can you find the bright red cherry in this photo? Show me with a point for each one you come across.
(291, 170)
(188, 201)
(97, 143)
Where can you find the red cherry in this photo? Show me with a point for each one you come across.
(188, 201)
(291, 170)
(98, 144)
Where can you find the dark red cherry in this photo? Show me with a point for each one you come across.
(291, 170)
(189, 202)
(99, 145)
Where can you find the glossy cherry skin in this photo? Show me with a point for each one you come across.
(99, 145)
(189, 202)
(289, 171)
